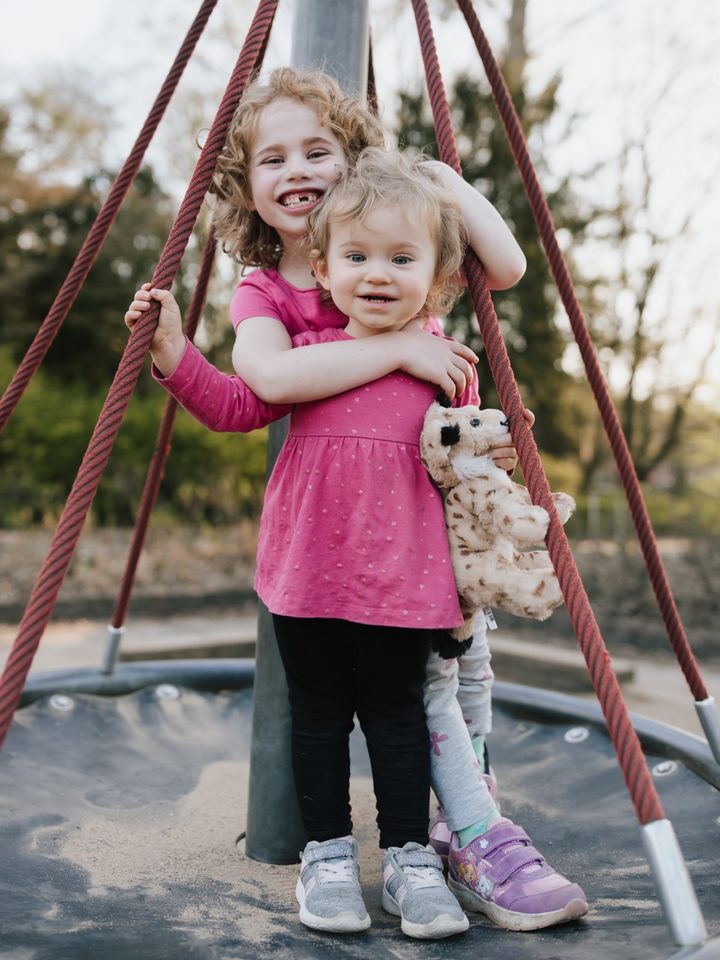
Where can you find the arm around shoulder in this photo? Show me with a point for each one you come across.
(279, 372)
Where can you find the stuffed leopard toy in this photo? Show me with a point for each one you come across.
(490, 520)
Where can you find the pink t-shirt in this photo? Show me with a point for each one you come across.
(352, 526)
(264, 293)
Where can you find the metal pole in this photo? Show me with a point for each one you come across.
(674, 886)
(331, 35)
(274, 831)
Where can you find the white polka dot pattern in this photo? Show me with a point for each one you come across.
(385, 519)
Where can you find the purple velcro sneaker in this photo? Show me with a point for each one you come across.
(502, 875)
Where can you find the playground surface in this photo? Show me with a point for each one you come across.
(123, 820)
(123, 814)
(652, 684)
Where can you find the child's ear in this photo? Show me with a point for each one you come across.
(319, 268)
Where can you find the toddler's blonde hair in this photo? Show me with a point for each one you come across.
(244, 236)
(388, 178)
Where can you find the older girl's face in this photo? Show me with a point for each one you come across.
(293, 160)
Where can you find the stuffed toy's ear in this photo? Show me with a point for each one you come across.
(450, 434)
(439, 435)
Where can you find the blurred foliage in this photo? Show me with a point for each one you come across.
(209, 478)
(39, 240)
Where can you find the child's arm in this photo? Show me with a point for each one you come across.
(265, 359)
(263, 356)
(217, 401)
(488, 234)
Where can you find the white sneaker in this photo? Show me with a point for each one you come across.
(328, 888)
(414, 889)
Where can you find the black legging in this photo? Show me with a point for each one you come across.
(336, 669)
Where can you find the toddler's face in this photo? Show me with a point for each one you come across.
(379, 270)
(293, 160)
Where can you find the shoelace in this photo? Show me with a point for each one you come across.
(419, 877)
(338, 871)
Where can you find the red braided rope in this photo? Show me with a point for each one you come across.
(372, 100)
(162, 447)
(42, 599)
(626, 468)
(627, 746)
(101, 227)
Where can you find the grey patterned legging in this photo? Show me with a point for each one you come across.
(457, 695)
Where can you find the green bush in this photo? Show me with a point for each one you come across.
(209, 477)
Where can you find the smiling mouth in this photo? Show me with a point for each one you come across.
(376, 298)
(300, 198)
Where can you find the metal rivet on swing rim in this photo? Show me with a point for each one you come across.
(60, 701)
(167, 691)
(664, 768)
(576, 734)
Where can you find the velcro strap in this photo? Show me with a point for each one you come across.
(508, 862)
(418, 858)
(341, 850)
(502, 835)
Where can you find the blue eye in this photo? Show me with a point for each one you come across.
(401, 260)
(356, 258)
(318, 154)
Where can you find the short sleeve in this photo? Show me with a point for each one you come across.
(253, 298)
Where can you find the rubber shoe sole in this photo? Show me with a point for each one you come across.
(346, 922)
(511, 919)
(442, 926)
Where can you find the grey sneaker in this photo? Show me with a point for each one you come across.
(414, 889)
(328, 888)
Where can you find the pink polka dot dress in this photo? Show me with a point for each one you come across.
(352, 527)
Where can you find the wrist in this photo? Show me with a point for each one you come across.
(168, 354)
(395, 347)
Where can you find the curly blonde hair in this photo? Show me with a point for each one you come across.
(244, 236)
(388, 178)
